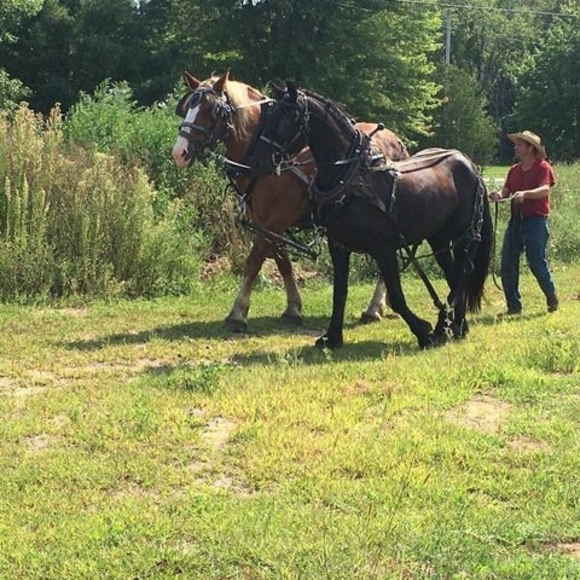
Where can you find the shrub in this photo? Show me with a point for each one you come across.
(78, 221)
(111, 122)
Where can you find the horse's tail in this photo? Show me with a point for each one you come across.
(482, 258)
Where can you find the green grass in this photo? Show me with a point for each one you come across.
(139, 440)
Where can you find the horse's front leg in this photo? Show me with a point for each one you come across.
(390, 270)
(293, 312)
(340, 263)
(237, 320)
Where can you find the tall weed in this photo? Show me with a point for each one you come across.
(110, 121)
(75, 220)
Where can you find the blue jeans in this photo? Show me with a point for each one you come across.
(531, 235)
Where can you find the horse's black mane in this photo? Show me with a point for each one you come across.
(328, 103)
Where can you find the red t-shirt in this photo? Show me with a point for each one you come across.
(540, 173)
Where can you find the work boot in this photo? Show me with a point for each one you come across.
(509, 313)
(552, 302)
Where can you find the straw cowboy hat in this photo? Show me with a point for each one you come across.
(530, 138)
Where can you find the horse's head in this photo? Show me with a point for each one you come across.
(285, 125)
(207, 117)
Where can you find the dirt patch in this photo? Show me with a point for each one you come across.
(215, 265)
(570, 549)
(526, 445)
(8, 383)
(74, 312)
(217, 432)
(40, 442)
(487, 414)
(482, 412)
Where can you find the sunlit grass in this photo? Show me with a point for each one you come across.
(140, 440)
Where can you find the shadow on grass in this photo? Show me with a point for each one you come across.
(370, 350)
(493, 319)
(205, 376)
(259, 327)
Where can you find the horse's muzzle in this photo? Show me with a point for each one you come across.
(182, 155)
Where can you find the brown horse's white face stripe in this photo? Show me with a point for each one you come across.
(179, 152)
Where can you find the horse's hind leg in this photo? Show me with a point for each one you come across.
(293, 312)
(464, 269)
(378, 304)
(237, 320)
(457, 288)
(390, 270)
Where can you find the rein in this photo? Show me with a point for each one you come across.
(225, 110)
(495, 222)
(360, 150)
(288, 242)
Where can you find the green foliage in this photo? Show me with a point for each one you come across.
(548, 100)
(76, 221)
(378, 82)
(383, 72)
(12, 12)
(71, 47)
(12, 91)
(110, 121)
(461, 121)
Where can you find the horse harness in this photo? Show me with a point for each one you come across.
(222, 109)
(357, 182)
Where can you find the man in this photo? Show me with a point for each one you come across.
(527, 185)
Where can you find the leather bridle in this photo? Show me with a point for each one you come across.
(220, 113)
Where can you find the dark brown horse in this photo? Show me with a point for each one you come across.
(436, 196)
(222, 110)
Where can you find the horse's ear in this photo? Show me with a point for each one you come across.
(220, 84)
(292, 91)
(277, 90)
(191, 81)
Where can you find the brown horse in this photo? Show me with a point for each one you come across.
(222, 110)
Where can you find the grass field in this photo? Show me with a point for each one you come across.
(138, 440)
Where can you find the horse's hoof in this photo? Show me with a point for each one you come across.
(292, 319)
(439, 339)
(370, 317)
(236, 325)
(327, 342)
(462, 331)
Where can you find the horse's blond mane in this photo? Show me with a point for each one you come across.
(238, 94)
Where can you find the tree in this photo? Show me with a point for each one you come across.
(495, 41)
(12, 12)
(71, 46)
(372, 55)
(548, 100)
(461, 122)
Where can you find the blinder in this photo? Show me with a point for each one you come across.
(220, 109)
(289, 121)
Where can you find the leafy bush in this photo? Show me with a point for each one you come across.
(111, 122)
(77, 221)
